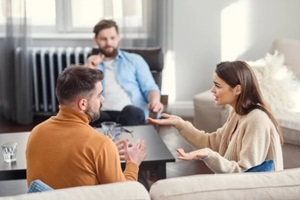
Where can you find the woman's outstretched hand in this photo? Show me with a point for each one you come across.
(168, 120)
(193, 155)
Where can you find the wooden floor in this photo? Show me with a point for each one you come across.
(171, 139)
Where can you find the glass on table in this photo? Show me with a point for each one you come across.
(9, 151)
(108, 129)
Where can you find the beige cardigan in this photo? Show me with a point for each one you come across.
(254, 140)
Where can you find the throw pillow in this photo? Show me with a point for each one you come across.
(266, 166)
(279, 85)
(38, 186)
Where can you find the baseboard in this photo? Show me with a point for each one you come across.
(182, 108)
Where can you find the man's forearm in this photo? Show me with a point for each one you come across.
(153, 96)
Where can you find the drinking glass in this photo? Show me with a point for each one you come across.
(108, 129)
(9, 151)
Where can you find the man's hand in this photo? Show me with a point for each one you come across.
(121, 144)
(156, 106)
(154, 102)
(137, 153)
(95, 60)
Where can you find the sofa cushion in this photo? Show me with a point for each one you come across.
(122, 190)
(279, 85)
(266, 185)
(290, 126)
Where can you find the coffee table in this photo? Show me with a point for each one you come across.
(157, 152)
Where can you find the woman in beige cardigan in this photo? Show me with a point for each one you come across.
(251, 134)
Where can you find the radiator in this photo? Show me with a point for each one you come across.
(47, 64)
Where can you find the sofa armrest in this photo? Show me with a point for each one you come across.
(208, 116)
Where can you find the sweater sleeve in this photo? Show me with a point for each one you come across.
(252, 141)
(198, 138)
(108, 165)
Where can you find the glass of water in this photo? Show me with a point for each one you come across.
(9, 151)
(108, 129)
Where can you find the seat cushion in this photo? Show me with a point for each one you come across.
(290, 126)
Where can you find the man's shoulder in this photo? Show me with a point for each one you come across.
(130, 56)
(42, 125)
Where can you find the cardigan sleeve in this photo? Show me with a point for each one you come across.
(251, 141)
(198, 138)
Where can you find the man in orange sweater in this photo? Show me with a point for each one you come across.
(65, 151)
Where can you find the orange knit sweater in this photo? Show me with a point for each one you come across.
(65, 151)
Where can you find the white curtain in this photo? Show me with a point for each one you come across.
(15, 71)
(148, 35)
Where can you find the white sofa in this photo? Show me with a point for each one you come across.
(209, 117)
(262, 185)
(123, 190)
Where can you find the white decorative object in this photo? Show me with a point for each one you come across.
(280, 86)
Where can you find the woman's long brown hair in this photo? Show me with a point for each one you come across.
(239, 73)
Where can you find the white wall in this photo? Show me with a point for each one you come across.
(206, 32)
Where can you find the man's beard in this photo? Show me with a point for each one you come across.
(94, 115)
(109, 54)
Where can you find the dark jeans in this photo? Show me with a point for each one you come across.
(129, 116)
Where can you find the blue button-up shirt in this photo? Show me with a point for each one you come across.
(134, 76)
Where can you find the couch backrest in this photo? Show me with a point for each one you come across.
(291, 50)
(261, 185)
(114, 191)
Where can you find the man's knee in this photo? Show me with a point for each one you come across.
(132, 115)
(133, 110)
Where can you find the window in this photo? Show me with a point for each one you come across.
(126, 13)
(2, 19)
(40, 14)
(78, 16)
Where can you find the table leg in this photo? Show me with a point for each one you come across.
(161, 171)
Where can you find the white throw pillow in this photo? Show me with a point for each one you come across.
(280, 87)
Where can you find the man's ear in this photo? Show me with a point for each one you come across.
(238, 89)
(83, 104)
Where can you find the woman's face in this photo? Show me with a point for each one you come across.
(223, 93)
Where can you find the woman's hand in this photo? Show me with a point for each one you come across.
(193, 155)
(168, 120)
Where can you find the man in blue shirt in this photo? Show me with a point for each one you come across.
(129, 88)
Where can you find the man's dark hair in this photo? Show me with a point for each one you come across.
(104, 24)
(76, 81)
